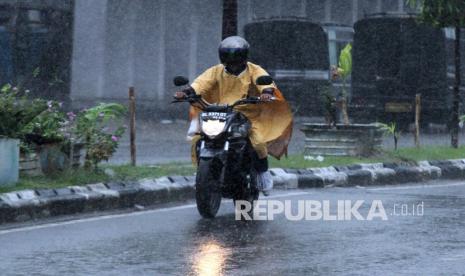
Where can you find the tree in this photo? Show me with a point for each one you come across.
(441, 14)
(343, 71)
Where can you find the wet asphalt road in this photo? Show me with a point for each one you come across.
(176, 241)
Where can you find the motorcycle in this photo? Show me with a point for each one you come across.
(225, 156)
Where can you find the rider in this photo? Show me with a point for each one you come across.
(230, 81)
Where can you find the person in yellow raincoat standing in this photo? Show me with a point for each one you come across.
(234, 79)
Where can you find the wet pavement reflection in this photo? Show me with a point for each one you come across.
(223, 244)
(179, 242)
(210, 258)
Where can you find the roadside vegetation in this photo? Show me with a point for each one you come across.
(402, 155)
(109, 173)
(106, 173)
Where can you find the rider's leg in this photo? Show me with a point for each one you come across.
(265, 181)
(193, 128)
(195, 147)
(264, 178)
(261, 164)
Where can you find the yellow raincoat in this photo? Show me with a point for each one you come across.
(271, 121)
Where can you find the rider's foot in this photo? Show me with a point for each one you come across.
(194, 128)
(265, 182)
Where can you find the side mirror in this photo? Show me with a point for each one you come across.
(180, 81)
(264, 80)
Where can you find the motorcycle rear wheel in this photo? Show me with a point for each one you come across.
(207, 193)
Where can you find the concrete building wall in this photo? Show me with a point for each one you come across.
(144, 43)
(141, 43)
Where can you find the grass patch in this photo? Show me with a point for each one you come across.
(431, 153)
(402, 155)
(81, 177)
(128, 173)
(68, 178)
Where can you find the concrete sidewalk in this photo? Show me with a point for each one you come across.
(165, 141)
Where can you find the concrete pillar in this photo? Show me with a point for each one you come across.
(161, 51)
(193, 43)
(145, 52)
(120, 36)
(132, 41)
(88, 49)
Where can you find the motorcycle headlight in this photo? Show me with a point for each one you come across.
(213, 128)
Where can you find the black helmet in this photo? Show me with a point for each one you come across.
(233, 50)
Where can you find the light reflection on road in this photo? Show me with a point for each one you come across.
(210, 259)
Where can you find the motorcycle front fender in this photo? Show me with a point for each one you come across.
(210, 153)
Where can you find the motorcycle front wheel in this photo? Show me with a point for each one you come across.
(207, 193)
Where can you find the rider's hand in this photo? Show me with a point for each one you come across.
(266, 97)
(180, 95)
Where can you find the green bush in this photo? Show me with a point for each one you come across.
(33, 121)
(46, 127)
(94, 128)
(37, 122)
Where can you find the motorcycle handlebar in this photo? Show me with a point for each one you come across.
(198, 99)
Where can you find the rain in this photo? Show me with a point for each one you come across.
(377, 116)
